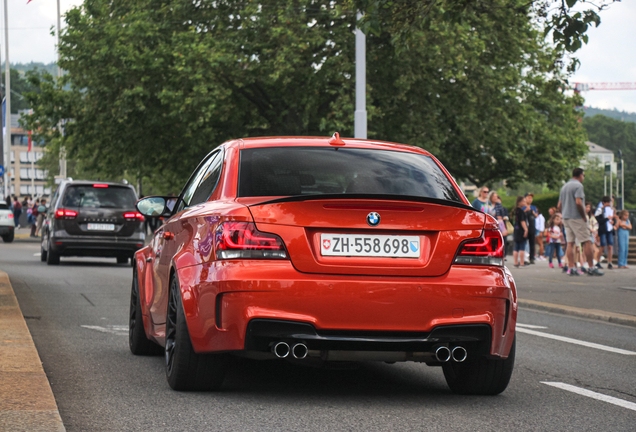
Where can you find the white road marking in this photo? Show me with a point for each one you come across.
(593, 395)
(115, 329)
(576, 342)
(531, 326)
(37, 254)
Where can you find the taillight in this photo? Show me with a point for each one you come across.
(100, 185)
(10, 215)
(65, 214)
(242, 240)
(134, 215)
(486, 250)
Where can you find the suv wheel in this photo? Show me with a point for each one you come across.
(52, 258)
(43, 253)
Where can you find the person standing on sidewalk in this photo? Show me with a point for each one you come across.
(17, 211)
(531, 214)
(624, 227)
(605, 216)
(554, 238)
(539, 225)
(521, 232)
(577, 230)
(482, 203)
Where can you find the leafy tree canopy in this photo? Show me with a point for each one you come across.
(156, 84)
(19, 87)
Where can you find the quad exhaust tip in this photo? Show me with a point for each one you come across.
(442, 354)
(300, 351)
(459, 354)
(281, 349)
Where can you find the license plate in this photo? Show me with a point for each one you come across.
(101, 227)
(356, 245)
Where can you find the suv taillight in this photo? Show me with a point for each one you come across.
(134, 215)
(65, 214)
(486, 250)
(235, 240)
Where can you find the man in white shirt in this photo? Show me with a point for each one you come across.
(539, 224)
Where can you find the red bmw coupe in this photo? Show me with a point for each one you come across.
(322, 250)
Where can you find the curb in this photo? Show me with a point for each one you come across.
(596, 314)
(26, 399)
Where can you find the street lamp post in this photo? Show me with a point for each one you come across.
(59, 75)
(360, 119)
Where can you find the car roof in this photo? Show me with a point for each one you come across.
(324, 142)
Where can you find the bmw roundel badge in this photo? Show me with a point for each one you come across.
(373, 219)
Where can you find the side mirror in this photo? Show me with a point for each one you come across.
(153, 206)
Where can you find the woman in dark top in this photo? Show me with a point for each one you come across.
(521, 232)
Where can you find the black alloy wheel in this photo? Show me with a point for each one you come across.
(122, 260)
(480, 376)
(52, 258)
(137, 341)
(185, 369)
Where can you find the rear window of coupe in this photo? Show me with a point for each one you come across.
(291, 171)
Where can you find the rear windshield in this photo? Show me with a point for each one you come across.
(3, 206)
(99, 197)
(284, 171)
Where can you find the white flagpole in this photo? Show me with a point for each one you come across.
(7, 92)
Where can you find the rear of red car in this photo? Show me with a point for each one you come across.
(351, 253)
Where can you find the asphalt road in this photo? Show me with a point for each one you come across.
(77, 313)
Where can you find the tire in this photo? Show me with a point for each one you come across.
(122, 260)
(8, 238)
(52, 258)
(185, 369)
(43, 253)
(480, 376)
(137, 341)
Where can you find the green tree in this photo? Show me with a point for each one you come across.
(19, 87)
(156, 84)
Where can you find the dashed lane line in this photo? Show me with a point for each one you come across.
(530, 326)
(593, 395)
(576, 341)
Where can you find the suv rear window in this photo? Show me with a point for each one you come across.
(3, 206)
(99, 197)
(284, 171)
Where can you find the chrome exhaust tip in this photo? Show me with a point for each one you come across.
(459, 354)
(281, 349)
(442, 354)
(300, 351)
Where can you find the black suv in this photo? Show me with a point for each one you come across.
(89, 218)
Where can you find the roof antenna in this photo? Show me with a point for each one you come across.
(335, 139)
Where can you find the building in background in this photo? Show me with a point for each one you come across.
(27, 178)
(597, 155)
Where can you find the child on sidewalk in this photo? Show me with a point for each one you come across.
(554, 238)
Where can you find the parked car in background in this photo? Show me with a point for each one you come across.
(319, 250)
(97, 219)
(7, 224)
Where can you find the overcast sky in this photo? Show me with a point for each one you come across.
(610, 55)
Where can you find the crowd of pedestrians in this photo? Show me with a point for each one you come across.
(583, 234)
(35, 212)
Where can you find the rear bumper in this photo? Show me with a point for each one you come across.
(226, 302)
(96, 247)
(6, 230)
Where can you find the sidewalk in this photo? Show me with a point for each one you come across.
(24, 234)
(26, 400)
(611, 297)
